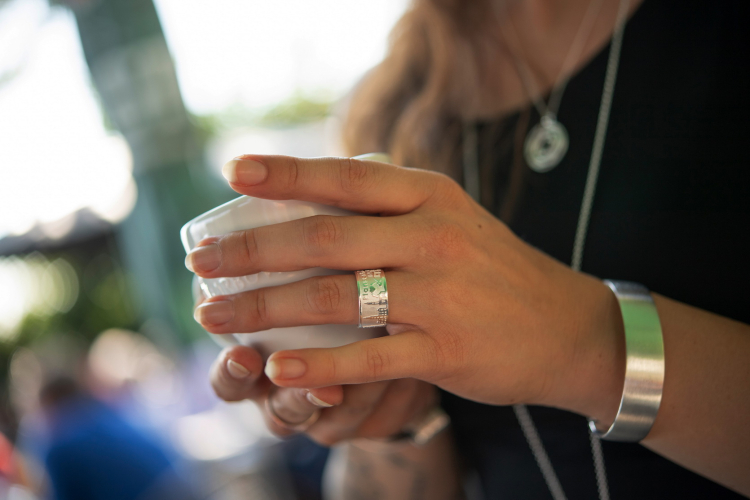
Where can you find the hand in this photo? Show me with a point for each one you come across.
(376, 410)
(473, 309)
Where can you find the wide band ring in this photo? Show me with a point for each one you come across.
(296, 427)
(373, 298)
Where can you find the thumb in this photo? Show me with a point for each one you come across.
(325, 397)
(236, 372)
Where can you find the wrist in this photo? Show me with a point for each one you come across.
(596, 372)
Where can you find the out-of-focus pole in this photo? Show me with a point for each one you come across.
(134, 75)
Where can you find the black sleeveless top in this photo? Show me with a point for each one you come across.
(671, 211)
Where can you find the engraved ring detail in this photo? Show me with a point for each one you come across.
(373, 298)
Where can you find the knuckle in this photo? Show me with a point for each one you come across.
(260, 313)
(333, 366)
(321, 233)
(324, 296)
(375, 362)
(251, 246)
(445, 182)
(355, 176)
(293, 173)
(448, 353)
(451, 188)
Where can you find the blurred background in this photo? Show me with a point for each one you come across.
(115, 119)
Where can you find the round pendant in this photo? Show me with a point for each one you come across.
(546, 145)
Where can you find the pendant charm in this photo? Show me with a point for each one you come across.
(546, 145)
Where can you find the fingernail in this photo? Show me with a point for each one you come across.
(236, 370)
(214, 313)
(204, 259)
(285, 368)
(317, 401)
(244, 171)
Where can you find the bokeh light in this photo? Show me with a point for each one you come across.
(57, 157)
(34, 285)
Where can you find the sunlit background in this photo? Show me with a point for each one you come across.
(115, 118)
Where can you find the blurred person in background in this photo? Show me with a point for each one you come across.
(13, 481)
(464, 85)
(92, 453)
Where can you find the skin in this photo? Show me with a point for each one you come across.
(542, 32)
(474, 310)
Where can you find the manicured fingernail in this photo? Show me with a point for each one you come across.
(317, 401)
(214, 313)
(204, 259)
(236, 370)
(285, 368)
(244, 171)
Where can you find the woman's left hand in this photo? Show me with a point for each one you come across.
(473, 309)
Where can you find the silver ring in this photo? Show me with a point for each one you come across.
(373, 298)
(296, 427)
(427, 427)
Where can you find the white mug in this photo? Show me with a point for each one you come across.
(247, 212)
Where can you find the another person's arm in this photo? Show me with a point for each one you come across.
(474, 309)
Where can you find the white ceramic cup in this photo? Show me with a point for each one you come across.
(247, 212)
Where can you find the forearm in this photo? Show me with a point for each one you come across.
(401, 471)
(705, 409)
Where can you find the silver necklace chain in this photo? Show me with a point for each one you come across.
(576, 47)
(471, 171)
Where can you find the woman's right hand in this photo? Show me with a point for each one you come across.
(374, 410)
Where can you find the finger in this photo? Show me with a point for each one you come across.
(409, 354)
(321, 300)
(326, 397)
(358, 185)
(285, 408)
(404, 400)
(342, 422)
(327, 241)
(294, 406)
(236, 374)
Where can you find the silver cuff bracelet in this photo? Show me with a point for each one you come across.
(644, 368)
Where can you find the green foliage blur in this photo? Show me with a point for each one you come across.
(296, 110)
